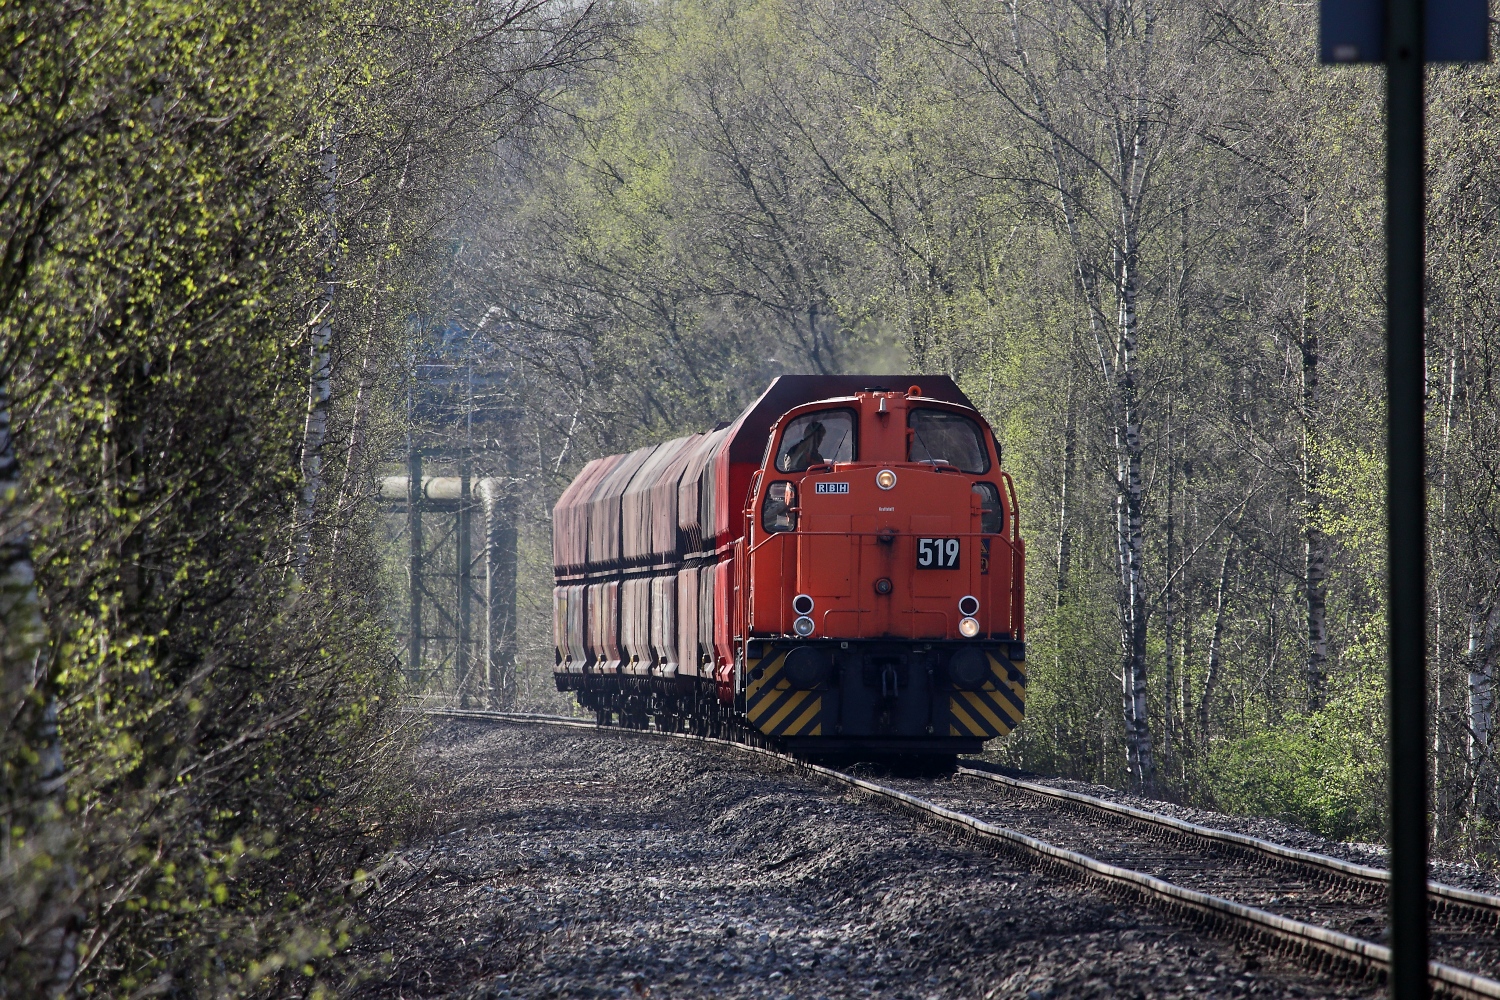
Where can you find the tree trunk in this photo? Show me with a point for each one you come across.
(366, 369)
(1186, 649)
(1185, 706)
(37, 877)
(1483, 618)
(500, 593)
(1130, 155)
(1128, 37)
(1449, 751)
(356, 436)
(1316, 543)
(1137, 719)
(1064, 529)
(1169, 622)
(320, 375)
(1215, 645)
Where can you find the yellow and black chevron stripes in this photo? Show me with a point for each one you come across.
(992, 711)
(775, 709)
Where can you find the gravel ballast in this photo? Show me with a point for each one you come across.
(1464, 876)
(582, 864)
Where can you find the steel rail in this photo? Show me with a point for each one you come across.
(1315, 945)
(1475, 905)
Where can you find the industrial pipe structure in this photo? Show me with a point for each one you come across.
(491, 681)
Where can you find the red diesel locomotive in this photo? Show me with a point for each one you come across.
(840, 570)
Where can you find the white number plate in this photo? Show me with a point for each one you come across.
(937, 553)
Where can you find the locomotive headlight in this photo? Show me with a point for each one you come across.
(804, 626)
(885, 479)
(968, 627)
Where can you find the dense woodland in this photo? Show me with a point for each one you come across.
(218, 219)
(240, 240)
(1148, 240)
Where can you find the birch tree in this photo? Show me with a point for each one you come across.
(1098, 90)
(320, 378)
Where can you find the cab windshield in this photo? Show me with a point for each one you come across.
(944, 438)
(819, 438)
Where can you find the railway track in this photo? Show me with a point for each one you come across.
(1300, 885)
(1307, 906)
(1450, 905)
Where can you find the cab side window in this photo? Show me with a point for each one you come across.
(992, 520)
(820, 438)
(780, 511)
(943, 438)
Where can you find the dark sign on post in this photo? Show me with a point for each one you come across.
(1353, 31)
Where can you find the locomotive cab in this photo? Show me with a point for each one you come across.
(883, 580)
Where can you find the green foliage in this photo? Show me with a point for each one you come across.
(184, 176)
(1072, 693)
(1355, 515)
(1325, 772)
(782, 185)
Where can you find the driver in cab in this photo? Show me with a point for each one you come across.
(805, 453)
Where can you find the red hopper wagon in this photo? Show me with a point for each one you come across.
(840, 570)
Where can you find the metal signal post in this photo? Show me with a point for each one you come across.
(1406, 35)
(1406, 495)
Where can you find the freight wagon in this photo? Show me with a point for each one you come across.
(838, 571)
